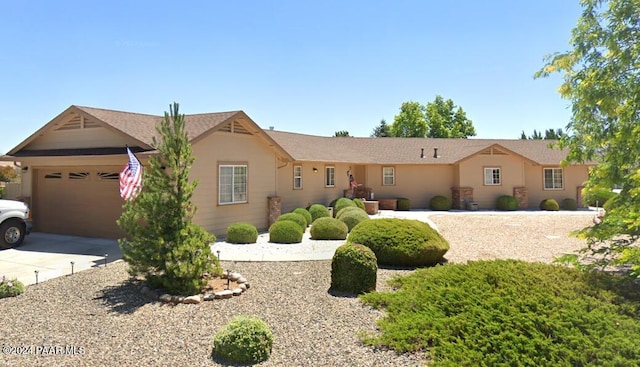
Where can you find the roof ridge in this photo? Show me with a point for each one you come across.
(117, 111)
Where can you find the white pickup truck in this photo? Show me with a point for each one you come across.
(15, 223)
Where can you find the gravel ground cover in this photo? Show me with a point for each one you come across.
(98, 317)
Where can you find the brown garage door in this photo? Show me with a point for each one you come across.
(80, 201)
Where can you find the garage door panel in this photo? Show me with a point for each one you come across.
(80, 201)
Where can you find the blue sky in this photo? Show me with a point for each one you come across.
(301, 66)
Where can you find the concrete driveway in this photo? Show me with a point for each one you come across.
(51, 256)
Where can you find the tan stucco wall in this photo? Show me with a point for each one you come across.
(574, 177)
(313, 184)
(471, 173)
(229, 148)
(81, 138)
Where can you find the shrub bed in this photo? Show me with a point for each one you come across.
(477, 314)
(10, 287)
(244, 340)
(328, 228)
(359, 203)
(318, 211)
(354, 269)
(549, 205)
(507, 202)
(440, 203)
(401, 242)
(285, 231)
(242, 233)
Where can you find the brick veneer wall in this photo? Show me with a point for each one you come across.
(522, 195)
(275, 208)
(460, 196)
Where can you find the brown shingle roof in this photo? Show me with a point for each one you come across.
(143, 127)
(407, 150)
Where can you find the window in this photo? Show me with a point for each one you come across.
(330, 176)
(492, 176)
(553, 179)
(297, 177)
(388, 176)
(233, 184)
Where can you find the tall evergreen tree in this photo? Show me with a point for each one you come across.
(343, 133)
(162, 243)
(383, 130)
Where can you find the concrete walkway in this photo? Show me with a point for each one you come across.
(50, 255)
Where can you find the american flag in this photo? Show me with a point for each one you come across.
(130, 177)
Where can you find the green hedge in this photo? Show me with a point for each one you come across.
(507, 202)
(401, 242)
(549, 205)
(10, 287)
(403, 204)
(342, 203)
(359, 203)
(242, 233)
(354, 269)
(352, 217)
(285, 231)
(305, 213)
(328, 228)
(294, 217)
(569, 204)
(318, 211)
(440, 203)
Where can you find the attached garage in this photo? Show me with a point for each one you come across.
(82, 201)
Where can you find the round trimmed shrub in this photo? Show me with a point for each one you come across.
(327, 228)
(285, 231)
(341, 204)
(549, 204)
(403, 204)
(347, 209)
(440, 202)
(244, 340)
(318, 211)
(354, 269)
(294, 217)
(359, 203)
(242, 233)
(401, 242)
(352, 217)
(305, 213)
(507, 202)
(569, 204)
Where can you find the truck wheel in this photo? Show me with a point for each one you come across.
(11, 233)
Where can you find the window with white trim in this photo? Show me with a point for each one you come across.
(297, 177)
(553, 179)
(232, 187)
(388, 176)
(329, 176)
(492, 176)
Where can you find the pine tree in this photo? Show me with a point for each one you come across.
(162, 243)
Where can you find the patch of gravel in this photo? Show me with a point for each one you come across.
(103, 315)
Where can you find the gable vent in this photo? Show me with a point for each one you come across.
(77, 122)
(493, 151)
(235, 127)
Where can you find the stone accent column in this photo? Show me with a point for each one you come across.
(522, 195)
(579, 198)
(275, 208)
(460, 196)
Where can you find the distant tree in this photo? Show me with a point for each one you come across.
(381, 131)
(409, 123)
(162, 242)
(7, 173)
(341, 133)
(446, 120)
(549, 134)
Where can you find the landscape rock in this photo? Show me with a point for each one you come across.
(166, 298)
(209, 297)
(241, 280)
(194, 300)
(237, 291)
(223, 294)
(234, 276)
(242, 286)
